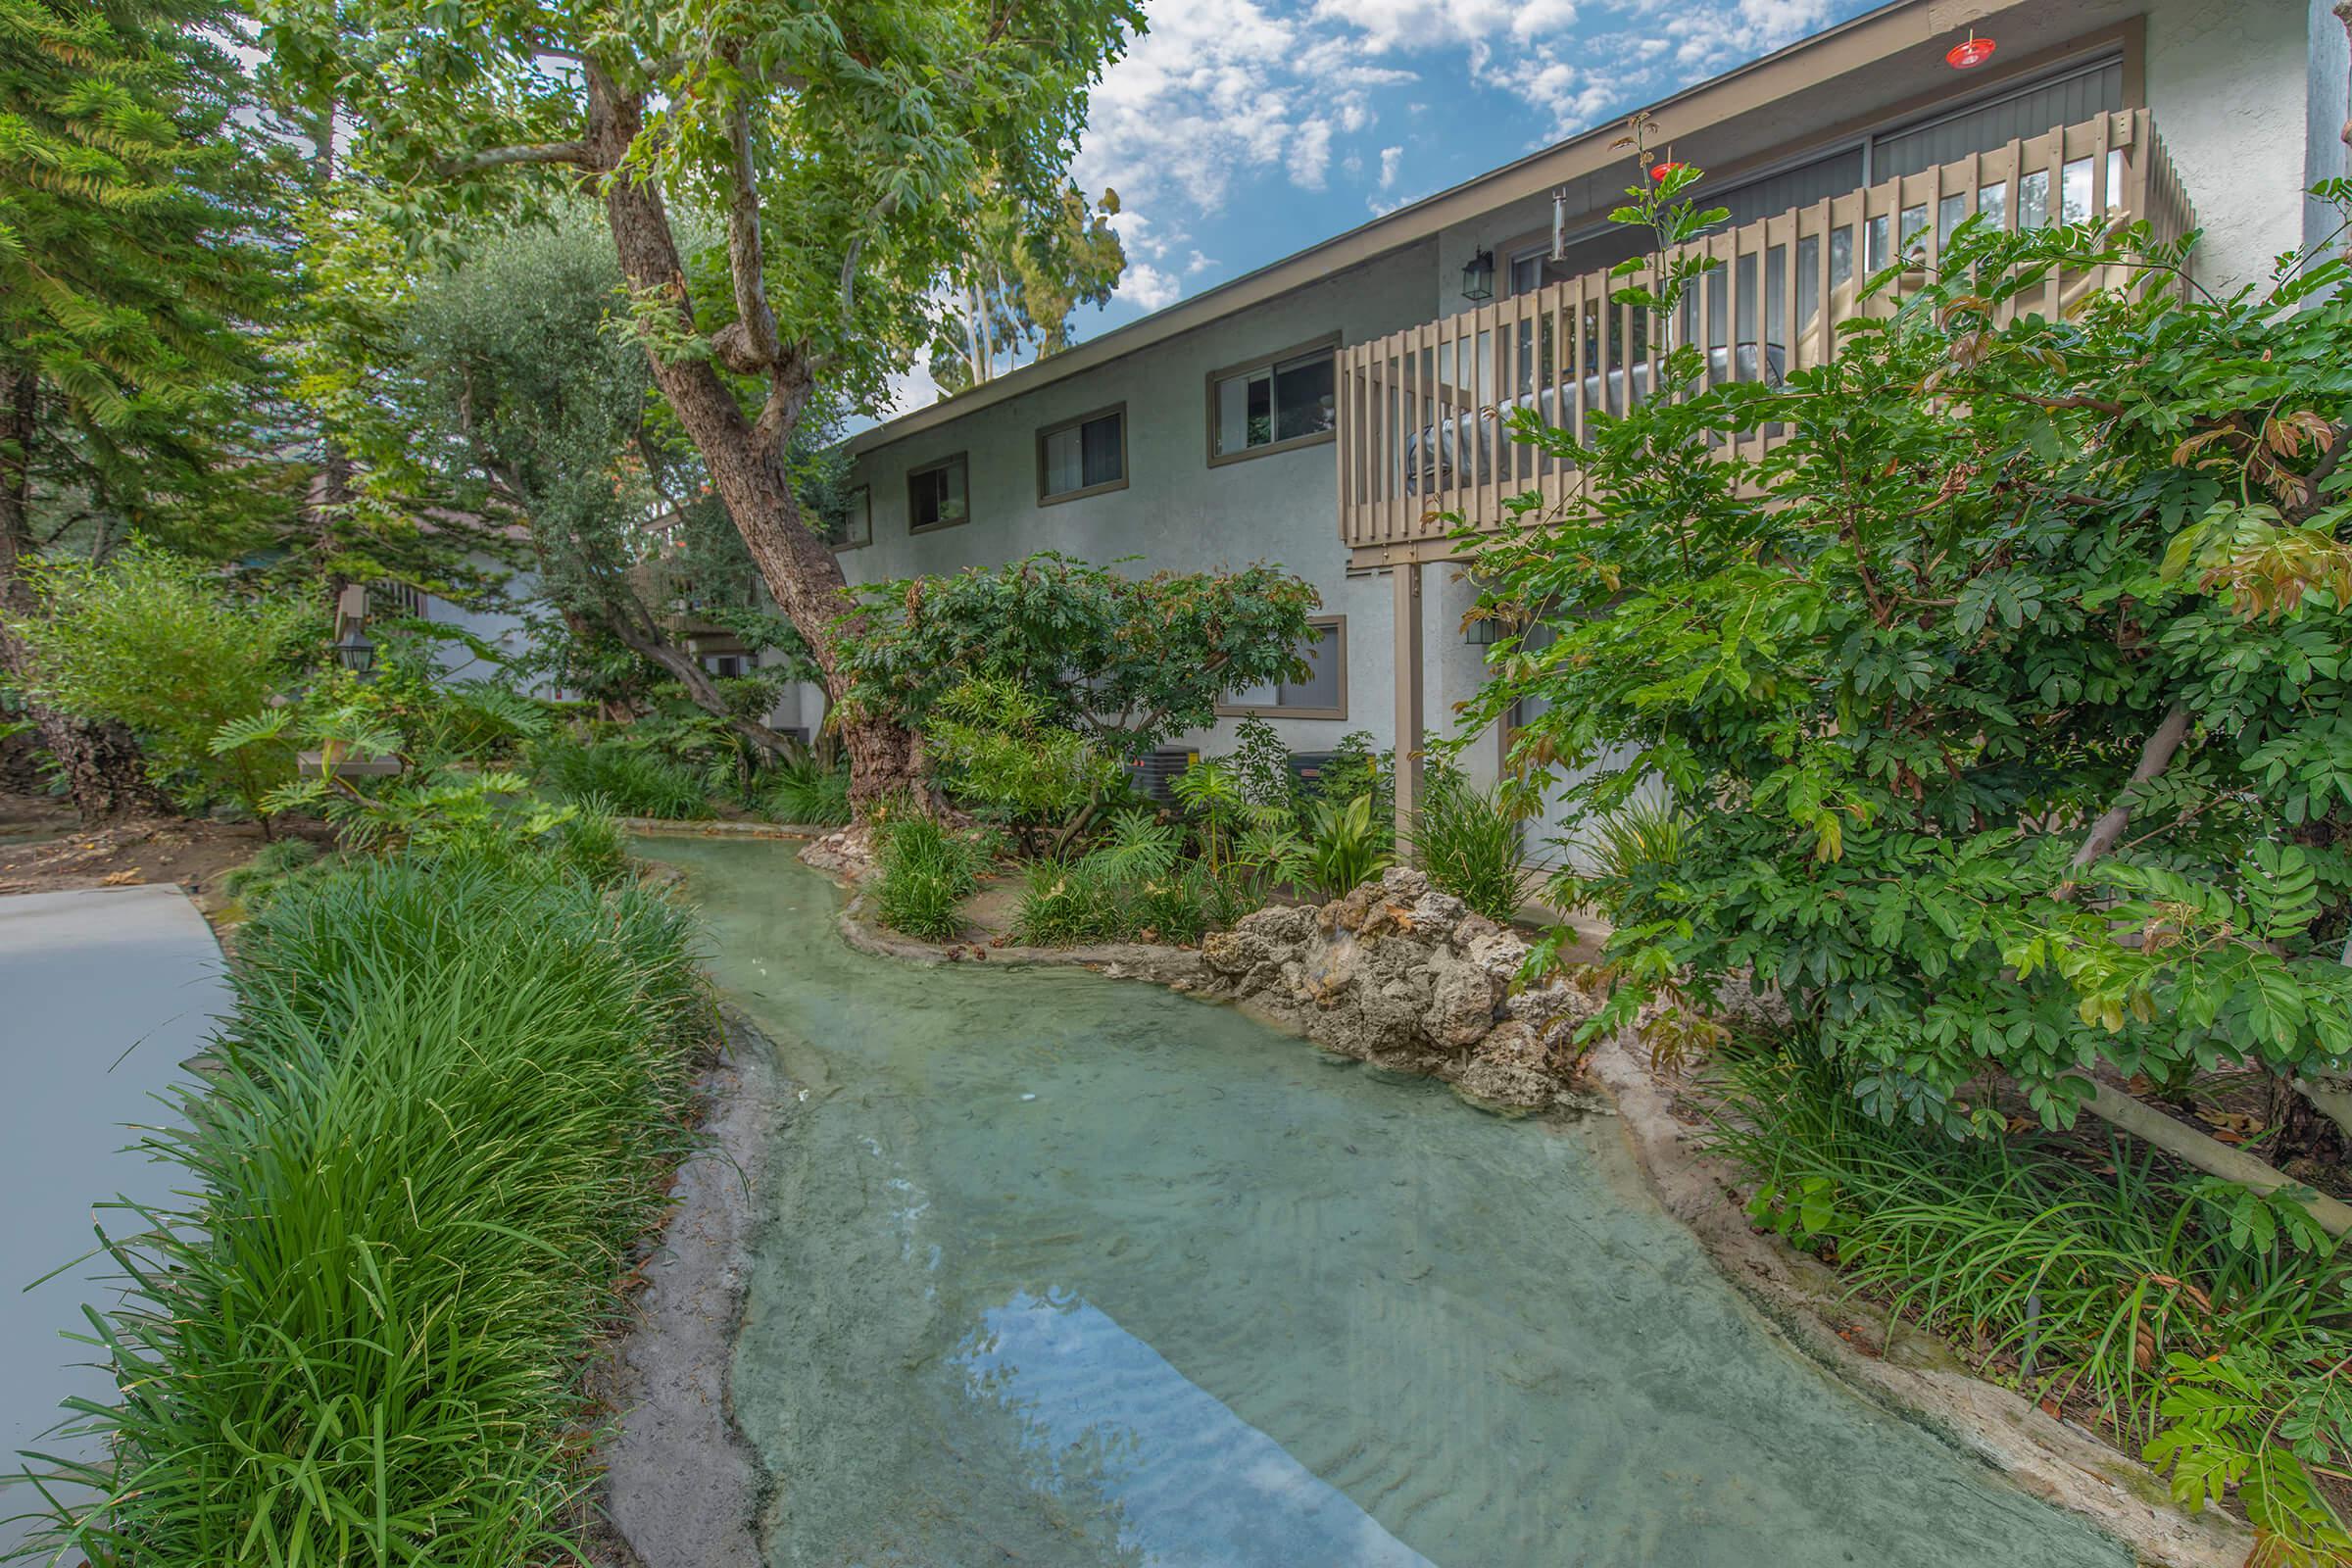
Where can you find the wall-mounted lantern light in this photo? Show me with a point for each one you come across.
(1478, 277)
(354, 652)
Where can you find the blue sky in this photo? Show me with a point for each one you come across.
(1237, 132)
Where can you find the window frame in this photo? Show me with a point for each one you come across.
(1045, 432)
(1334, 642)
(1330, 341)
(953, 460)
(842, 546)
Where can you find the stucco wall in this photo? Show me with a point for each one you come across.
(2329, 104)
(2229, 81)
(1177, 512)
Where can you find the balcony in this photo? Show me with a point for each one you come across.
(1421, 413)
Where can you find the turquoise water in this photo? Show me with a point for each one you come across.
(1062, 1270)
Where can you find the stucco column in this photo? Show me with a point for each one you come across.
(1405, 577)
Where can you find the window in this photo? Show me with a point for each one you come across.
(937, 494)
(726, 666)
(854, 527)
(1083, 456)
(1272, 405)
(1324, 692)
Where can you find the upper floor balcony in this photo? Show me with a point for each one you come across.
(1422, 413)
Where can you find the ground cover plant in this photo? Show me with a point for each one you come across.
(928, 871)
(434, 1132)
(633, 780)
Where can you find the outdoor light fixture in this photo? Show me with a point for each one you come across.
(355, 651)
(1478, 277)
(1969, 55)
(1559, 222)
(1482, 632)
(1662, 170)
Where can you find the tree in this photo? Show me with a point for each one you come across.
(2029, 637)
(546, 413)
(128, 259)
(1126, 660)
(1016, 289)
(847, 149)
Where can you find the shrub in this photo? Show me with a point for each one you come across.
(804, 788)
(2130, 1262)
(927, 872)
(263, 878)
(163, 645)
(436, 1130)
(1345, 844)
(1134, 888)
(627, 779)
(1467, 841)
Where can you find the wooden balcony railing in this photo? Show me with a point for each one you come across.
(1421, 413)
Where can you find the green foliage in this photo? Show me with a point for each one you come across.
(1356, 768)
(1467, 841)
(808, 788)
(164, 645)
(1136, 887)
(2130, 1265)
(1261, 767)
(1346, 846)
(628, 779)
(436, 1131)
(1896, 668)
(928, 870)
(2260, 1420)
(995, 748)
(271, 872)
(1127, 662)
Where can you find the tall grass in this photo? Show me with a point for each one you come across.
(808, 789)
(432, 1137)
(1136, 887)
(927, 872)
(1467, 841)
(624, 778)
(2101, 1270)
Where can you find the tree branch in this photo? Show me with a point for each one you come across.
(2155, 755)
(2208, 1154)
(746, 260)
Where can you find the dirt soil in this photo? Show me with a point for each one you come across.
(45, 849)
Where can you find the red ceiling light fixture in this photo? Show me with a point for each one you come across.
(1661, 170)
(1969, 55)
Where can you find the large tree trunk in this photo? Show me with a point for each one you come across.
(745, 463)
(101, 762)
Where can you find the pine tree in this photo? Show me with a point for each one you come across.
(133, 256)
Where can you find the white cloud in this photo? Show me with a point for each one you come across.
(1147, 287)
(910, 390)
(1389, 158)
(1311, 155)
(1199, 263)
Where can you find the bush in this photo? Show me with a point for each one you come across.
(1345, 844)
(927, 872)
(2130, 1262)
(268, 873)
(624, 778)
(164, 646)
(1136, 888)
(442, 1107)
(1467, 841)
(804, 788)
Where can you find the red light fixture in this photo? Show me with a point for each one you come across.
(1969, 55)
(1661, 170)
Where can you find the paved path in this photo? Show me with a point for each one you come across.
(103, 995)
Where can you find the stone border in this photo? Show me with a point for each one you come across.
(681, 1486)
(1908, 1371)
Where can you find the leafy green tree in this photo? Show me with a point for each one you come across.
(1017, 287)
(161, 645)
(2030, 636)
(543, 412)
(131, 212)
(846, 150)
(1126, 660)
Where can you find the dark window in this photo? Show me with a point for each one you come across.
(1286, 400)
(937, 495)
(1084, 456)
(854, 526)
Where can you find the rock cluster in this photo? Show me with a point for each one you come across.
(1404, 976)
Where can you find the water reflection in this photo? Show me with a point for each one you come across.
(1192, 1485)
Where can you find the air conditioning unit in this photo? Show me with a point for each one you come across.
(1150, 776)
(1308, 767)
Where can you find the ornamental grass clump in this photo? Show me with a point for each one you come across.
(927, 872)
(628, 780)
(435, 1131)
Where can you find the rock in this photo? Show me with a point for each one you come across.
(1399, 973)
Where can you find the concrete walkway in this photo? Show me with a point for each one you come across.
(103, 996)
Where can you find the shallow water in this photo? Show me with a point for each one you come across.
(1069, 1271)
